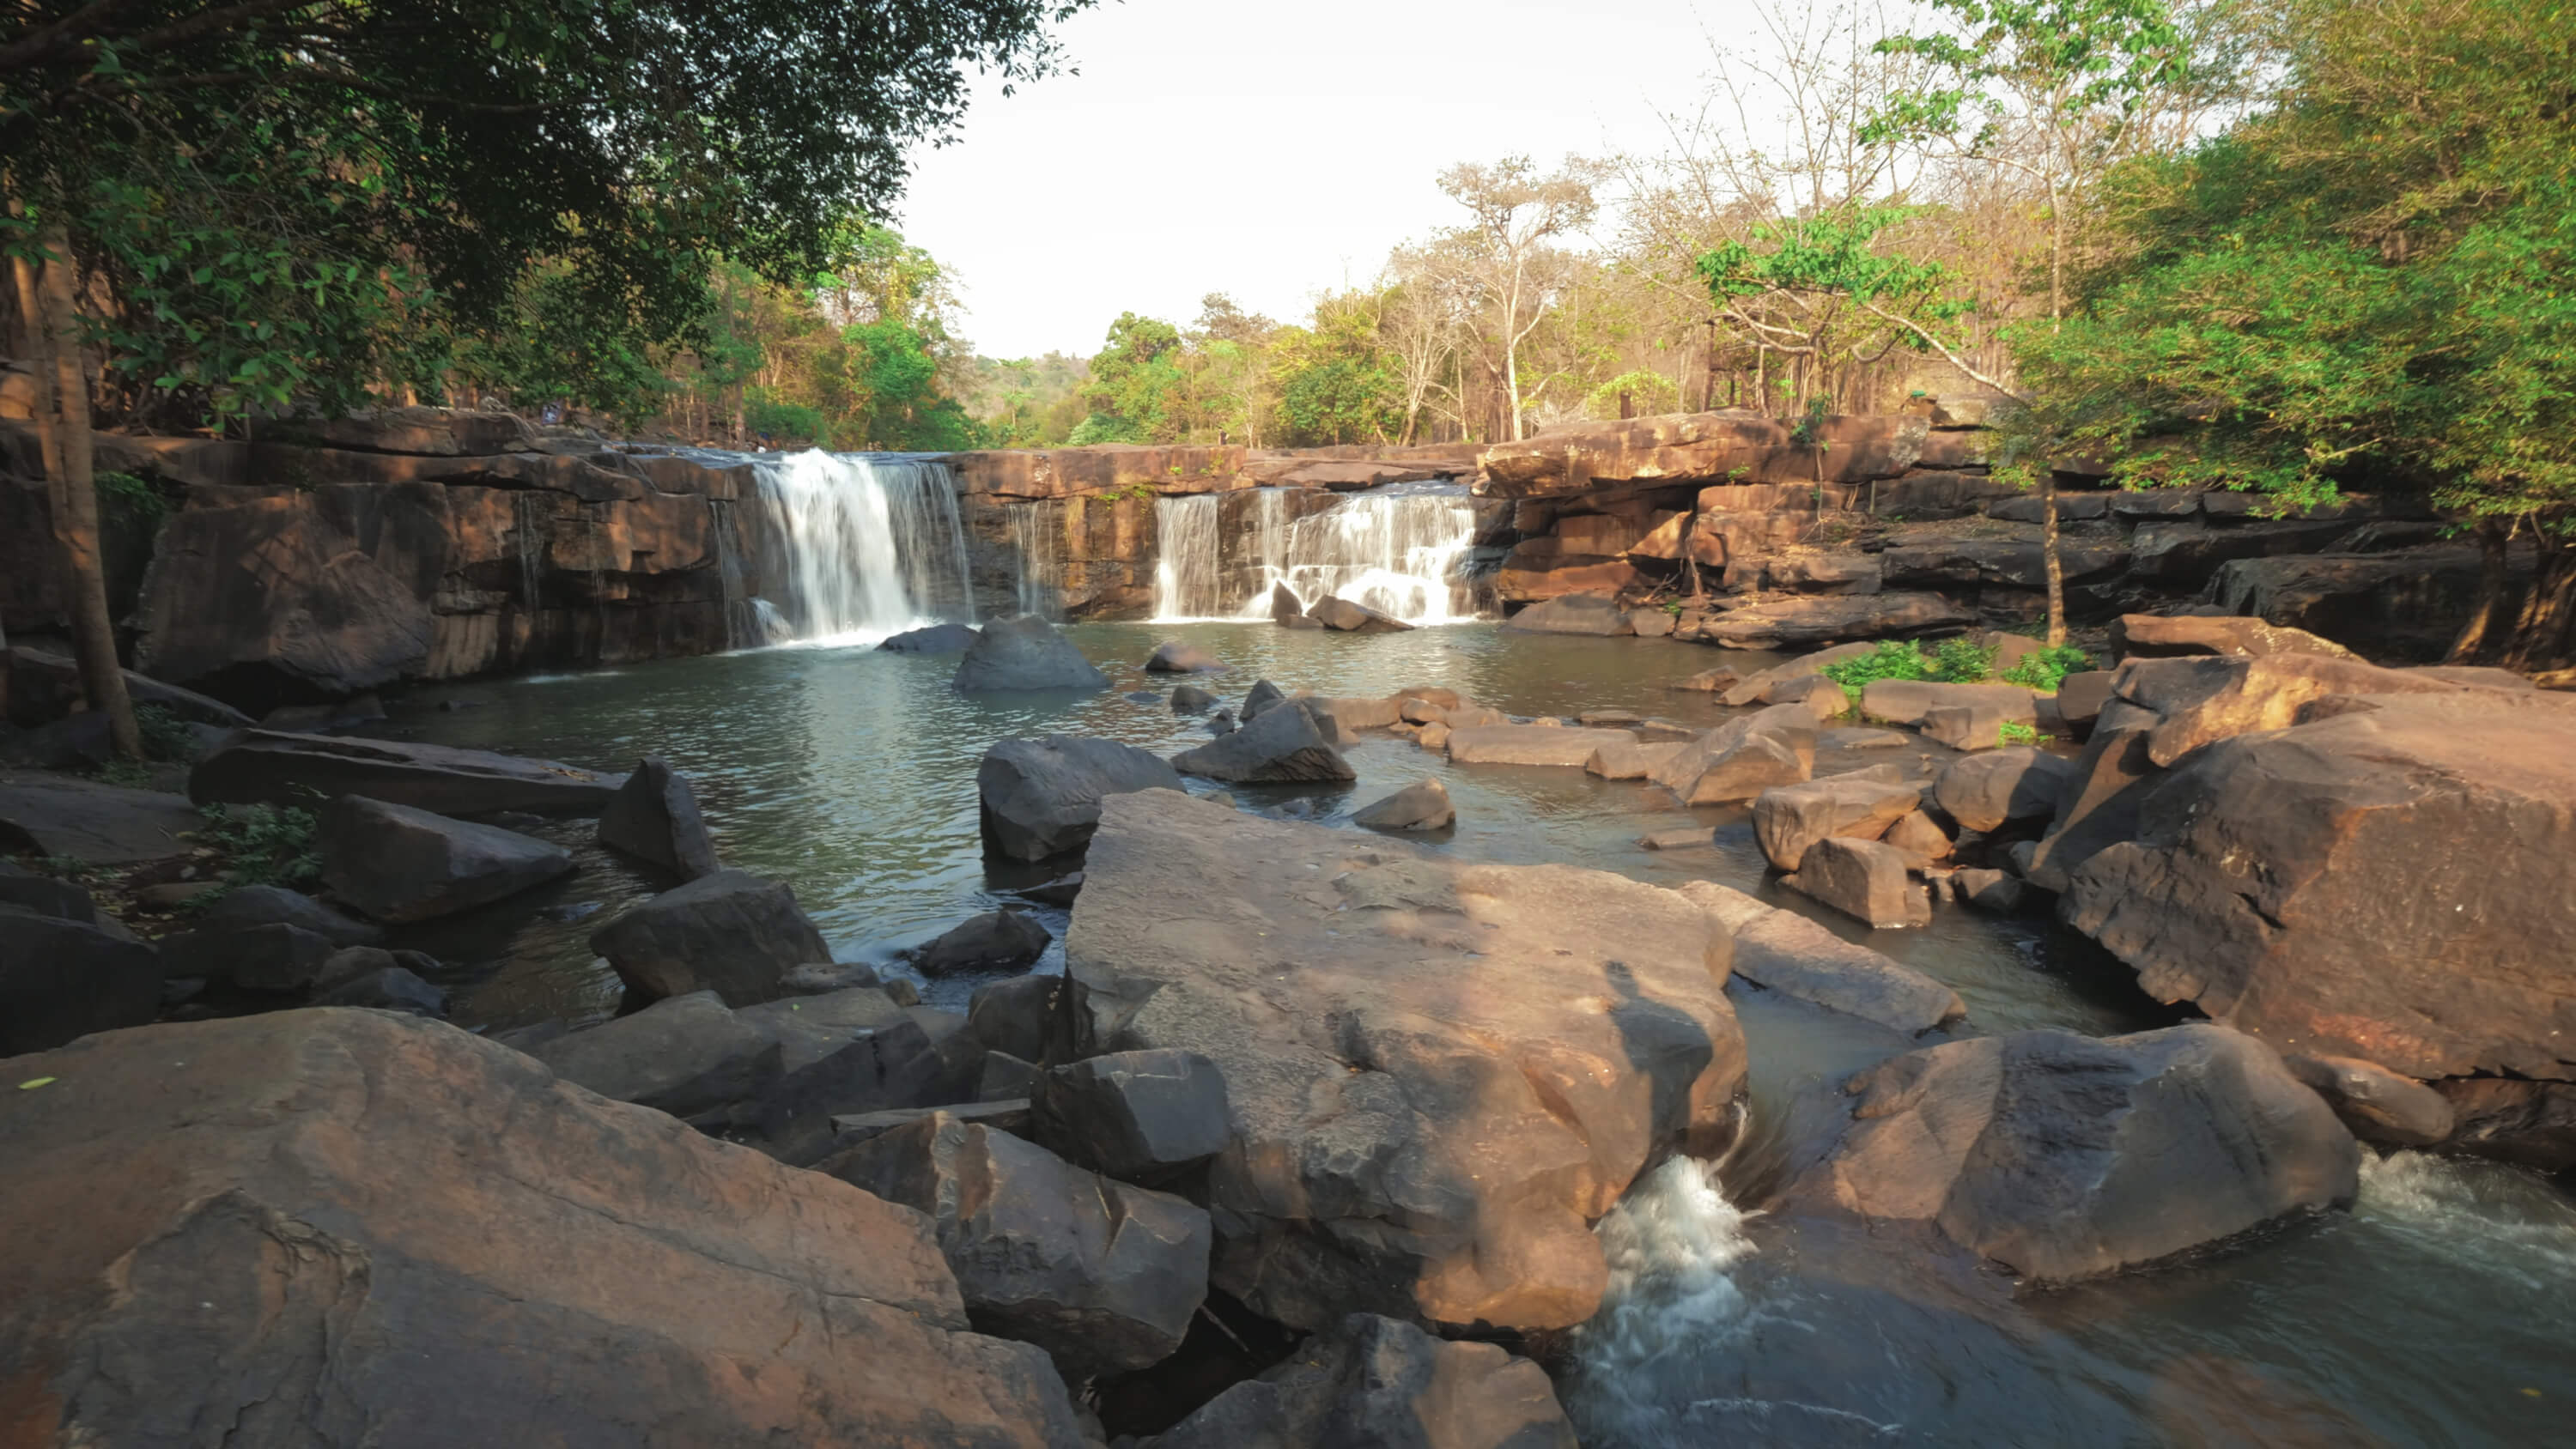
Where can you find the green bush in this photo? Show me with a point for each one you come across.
(2045, 669)
(1963, 661)
(165, 735)
(263, 844)
(2014, 732)
(1952, 661)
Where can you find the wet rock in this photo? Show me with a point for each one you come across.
(260, 905)
(1175, 657)
(1035, 1018)
(1632, 759)
(1504, 1046)
(62, 978)
(1221, 722)
(1595, 614)
(1258, 699)
(1299, 621)
(1285, 605)
(1040, 798)
(1139, 1116)
(2151, 636)
(1864, 879)
(1102, 1275)
(732, 933)
(275, 957)
(1708, 681)
(1650, 623)
(931, 639)
(1788, 819)
(1910, 701)
(395, 988)
(1785, 952)
(1690, 839)
(2531, 1124)
(654, 817)
(1349, 716)
(1190, 699)
(1531, 744)
(1422, 805)
(591, 1274)
(2064, 1157)
(1024, 652)
(2376, 1103)
(1986, 792)
(1279, 747)
(1353, 618)
(87, 821)
(1374, 1381)
(1143, 696)
(1989, 890)
(266, 767)
(1434, 737)
(993, 941)
(400, 864)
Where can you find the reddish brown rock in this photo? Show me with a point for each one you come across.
(1691, 447)
(2152, 636)
(302, 1228)
(1804, 623)
(1790, 818)
(1541, 568)
(1864, 879)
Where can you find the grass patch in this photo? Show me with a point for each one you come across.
(263, 844)
(1955, 661)
(2045, 669)
(2014, 732)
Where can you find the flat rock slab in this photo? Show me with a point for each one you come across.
(1802, 623)
(1439, 1072)
(1785, 952)
(276, 768)
(199, 1216)
(84, 820)
(1532, 745)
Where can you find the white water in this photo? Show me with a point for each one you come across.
(1037, 541)
(1396, 552)
(860, 547)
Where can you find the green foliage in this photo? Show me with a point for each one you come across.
(165, 735)
(1952, 661)
(2014, 732)
(1835, 252)
(1103, 428)
(1646, 391)
(2045, 669)
(2068, 60)
(1963, 660)
(263, 844)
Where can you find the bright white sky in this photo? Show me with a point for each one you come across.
(1271, 151)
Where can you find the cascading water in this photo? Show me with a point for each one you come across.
(865, 546)
(1397, 550)
(1037, 543)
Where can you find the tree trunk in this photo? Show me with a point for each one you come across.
(2055, 567)
(2545, 633)
(75, 501)
(2478, 635)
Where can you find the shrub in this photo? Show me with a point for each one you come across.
(1894, 659)
(2045, 669)
(263, 844)
(2014, 732)
(1963, 661)
(165, 735)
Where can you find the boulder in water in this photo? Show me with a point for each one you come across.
(1176, 657)
(654, 817)
(1788, 819)
(1986, 792)
(1530, 744)
(2063, 1157)
(1190, 699)
(1024, 652)
(1285, 605)
(1259, 698)
(1281, 747)
(1041, 798)
(931, 639)
(1353, 618)
(732, 932)
(1783, 951)
(400, 864)
(1373, 1380)
(993, 941)
(326, 1197)
(1596, 614)
(1422, 805)
(1866, 879)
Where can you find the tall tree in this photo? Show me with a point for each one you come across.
(1519, 217)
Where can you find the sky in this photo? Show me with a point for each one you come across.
(1272, 151)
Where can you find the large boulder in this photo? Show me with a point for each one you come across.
(399, 864)
(304, 1228)
(1136, 1116)
(263, 905)
(683, 1055)
(1910, 701)
(1039, 798)
(931, 639)
(1374, 1383)
(1596, 614)
(1988, 791)
(266, 603)
(1353, 618)
(1103, 1275)
(62, 978)
(1787, 819)
(276, 957)
(1783, 951)
(1281, 746)
(1024, 652)
(732, 933)
(993, 941)
(1439, 1072)
(654, 817)
(1422, 805)
(1809, 621)
(2155, 636)
(1864, 879)
(274, 767)
(2062, 1157)
(2394, 882)
(75, 819)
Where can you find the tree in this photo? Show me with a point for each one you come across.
(2054, 89)
(2365, 283)
(1518, 215)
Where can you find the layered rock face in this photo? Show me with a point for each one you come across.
(1437, 1072)
(304, 1229)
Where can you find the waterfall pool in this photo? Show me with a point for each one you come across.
(2441, 1311)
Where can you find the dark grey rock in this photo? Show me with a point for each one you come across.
(654, 817)
(682, 1056)
(392, 989)
(1024, 652)
(2376, 1103)
(261, 905)
(1285, 605)
(931, 639)
(275, 768)
(62, 978)
(397, 863)
(1353, 618)
(993, 941)
(1136, 1115)
(1103, 1276)
(1377, 1383)
(275, 957)
(1259, 698)
(1035, 1018)
(1190, 699)
(1281, 746)
(1040, 798)
(1786, 952)
(1005, 1078)
(731, 932)
(43, 895)
(1989, 890)
(1175, 657)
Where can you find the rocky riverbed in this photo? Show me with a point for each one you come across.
(1472, 1034)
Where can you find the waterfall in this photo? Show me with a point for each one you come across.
(865, 546)
(1188, 580)
(1037, 543)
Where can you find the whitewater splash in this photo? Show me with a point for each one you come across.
(1398, 551)
(857, 547)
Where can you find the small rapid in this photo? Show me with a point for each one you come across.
(1402, 551)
